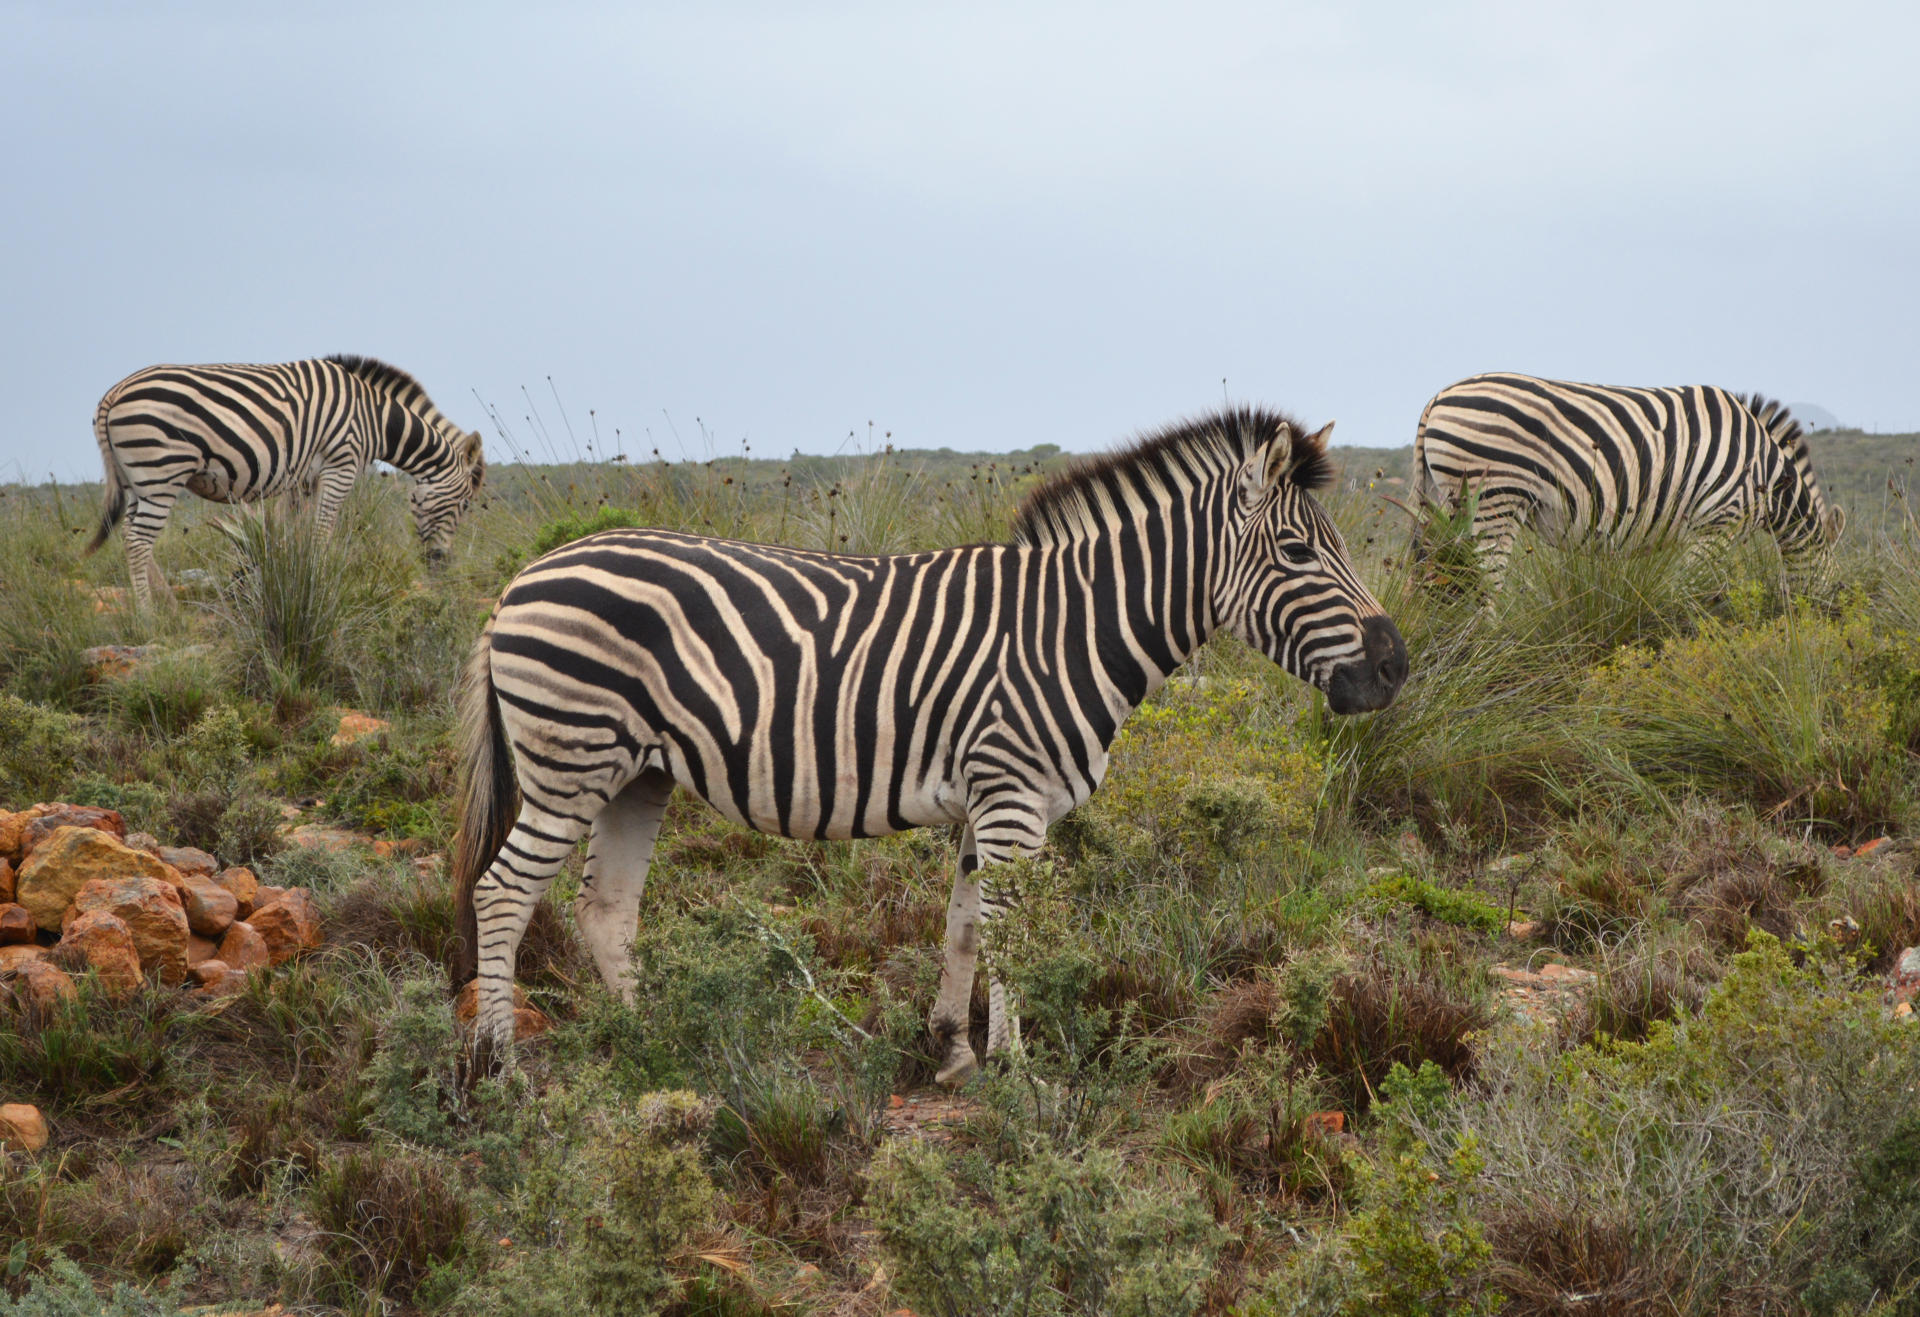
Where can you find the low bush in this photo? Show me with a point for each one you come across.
(1047, 1233)
(40, 751)
(618, 1190)
(390, 1220)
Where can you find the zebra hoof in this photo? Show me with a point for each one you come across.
(961, 1066)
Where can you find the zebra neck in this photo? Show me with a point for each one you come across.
(412, 442)
(1133, 607)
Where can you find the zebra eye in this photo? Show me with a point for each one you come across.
(1298, 552)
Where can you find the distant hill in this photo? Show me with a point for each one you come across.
(1814, 417)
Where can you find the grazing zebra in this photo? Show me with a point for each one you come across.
(828, 695)
(1624, 465)
(238, 433)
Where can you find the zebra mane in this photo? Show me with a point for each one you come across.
(380, 374)
(1065, 506)
(1776, 420)
(406, 388)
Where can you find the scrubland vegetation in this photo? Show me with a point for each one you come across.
(1268, 1068)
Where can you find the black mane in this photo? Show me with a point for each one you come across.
(1774, 418)
(1221, 440)
(380, 374)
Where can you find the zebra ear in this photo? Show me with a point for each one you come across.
(473, 450)
(1266, 467)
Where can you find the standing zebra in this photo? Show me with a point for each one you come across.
(236, 433)
(829, 696)
(1624, 465)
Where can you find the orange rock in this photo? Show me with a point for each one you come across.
(12, 957)
(1869, 847)
(386, 848)
(1326, 1122)
(321, 837)
(207, 971)
(210, 907)
(151, 909)
(71, 816)
(13, 827)
(290, 925)
(200, 949)
(105, 662)
(264, 896)
(529, 1023)
(71, 858)
(22, 1127)
(223, 984)
(6, 879)
(189, 860)
(356, 726)
(243, 948)
(466, 1003)
(100, 940)
(16, 925)
(244, 886)
(36, 981)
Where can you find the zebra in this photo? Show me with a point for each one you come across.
(236, 433)
(820, 695)
(1624, 465)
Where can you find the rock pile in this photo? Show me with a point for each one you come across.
(79, 896)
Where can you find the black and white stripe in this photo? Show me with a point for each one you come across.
(824, 695)
(1623, 465)
(236, 433)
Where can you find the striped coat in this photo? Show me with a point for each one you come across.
(1623, 465)
(828, 695)
(236, 433)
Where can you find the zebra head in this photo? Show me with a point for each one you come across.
(440, 500)
(1796, 510)
(1289, 589)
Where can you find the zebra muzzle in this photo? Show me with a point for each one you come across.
(1373, 680)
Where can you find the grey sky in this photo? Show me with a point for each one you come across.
(983, 228)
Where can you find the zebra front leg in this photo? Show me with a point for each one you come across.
(953, 1008)
(503, 902)
(618, 857)
(334, 484)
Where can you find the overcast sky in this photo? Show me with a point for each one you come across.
(984, 227)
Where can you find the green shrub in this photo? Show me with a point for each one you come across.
(413, 1083)
(1786, 714)
(619, 1188)
(1717, 1159)
(1467, 908)
(39, 751)
(64, 1290)
(145, 806)
(1204, 774)
(578, 526)
(390, 1220)
(1046, 1234)
(167, 693)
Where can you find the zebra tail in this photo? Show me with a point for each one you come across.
(116, 492)
(489, 801)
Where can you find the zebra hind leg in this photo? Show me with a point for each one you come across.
(621, 851)
(145, 519)
(503, 902)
